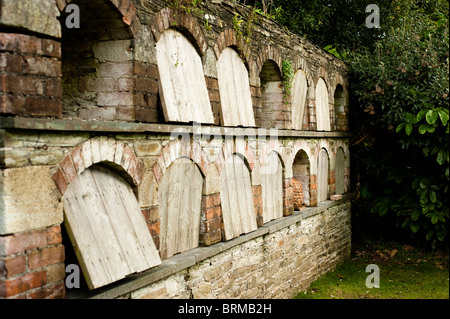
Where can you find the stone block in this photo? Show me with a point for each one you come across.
(29, 199)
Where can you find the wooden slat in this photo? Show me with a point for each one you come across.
(234, 88)
(340, 171)
(236, 197)
(322, 176)
(272, 188)
(322, 107)
(299, 90)
(107, 227)
(180, 195)
(183, 91)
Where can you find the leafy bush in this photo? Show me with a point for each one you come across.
(400, 93)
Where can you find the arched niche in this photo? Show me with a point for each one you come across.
(301, 172)
(234, 87)
(180, 197)
(238, 212)
(322, 106)
(272, 187)
(182, 86)
(106, 227)
(322, 176)
(299, 90)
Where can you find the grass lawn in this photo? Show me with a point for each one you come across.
(405, 273)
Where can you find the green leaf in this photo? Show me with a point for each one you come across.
(400, 127)
(423, 128)
(414, 227)
(443, 116)
(431, 116)
(433, 196)
(415, 215)
(421, 114)
(408, 129)
(430, 234)
(434, 218)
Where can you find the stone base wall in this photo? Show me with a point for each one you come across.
(278, 260)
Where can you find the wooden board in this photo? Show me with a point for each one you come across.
(322, 107)
(180, 197)
(272, 188)
(107, 228)
(234, 88)
(236, 197)
(340, 171)
(182, 85)
(299, 90)
(322, 176)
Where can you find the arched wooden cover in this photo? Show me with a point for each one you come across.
(180, 198)
(299, 90)
(234, 87)
(107, 228)
(272, 188)
(238, 212)
(340, 171)
(322, 107)
(182, 85)
(322, 176)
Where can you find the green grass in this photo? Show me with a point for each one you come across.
(405, 273)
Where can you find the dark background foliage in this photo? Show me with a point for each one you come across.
(399, 85)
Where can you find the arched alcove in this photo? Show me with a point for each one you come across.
(301, 172)
(272, 187)
(180, 198)
(234, 87)
(299, 91)
(340, 108)
(273, 113)
(96, 64)
(340, 171)
(322, 106)
(106, 227)
(322, 176)
(238, 212)
(183, 91)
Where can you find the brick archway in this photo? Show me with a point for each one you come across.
(95, 151)
(229, 38)
(180, 20)
(125, 7)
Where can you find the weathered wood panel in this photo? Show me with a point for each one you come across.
(322, 176)
(107, 228)
(236, 197)
(340, 171)
(322, 107)
(272, 188)
(183, 91)
(180, 197)
(299, 90)
(234, 88)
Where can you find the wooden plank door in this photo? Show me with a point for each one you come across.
(340, 171)
(322, 176)
(299, 90)
(180, 197)
(182, 85)
(234, 88)
(107, 228)
(322, 107)
(272, 188)
(236, 197)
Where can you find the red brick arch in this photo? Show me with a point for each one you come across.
(180, 20)
(176, 149)
(125, 7)
(229, 38)
(95, 151)
(268, 52)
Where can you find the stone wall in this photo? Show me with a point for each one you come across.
(73, 98)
